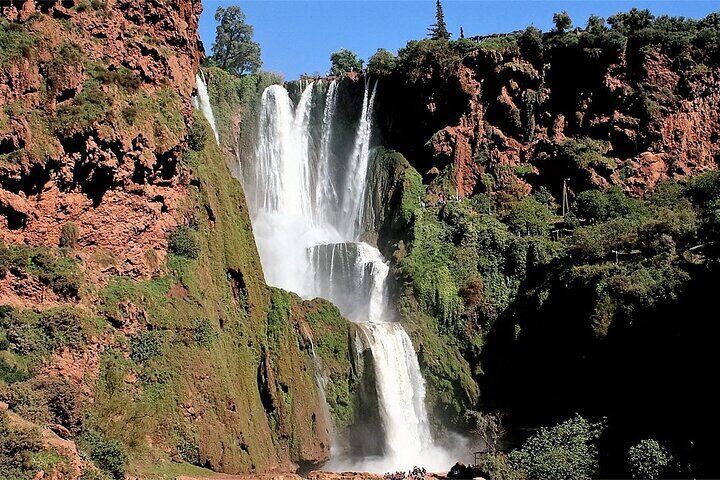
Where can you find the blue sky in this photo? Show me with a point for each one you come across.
(298, 36)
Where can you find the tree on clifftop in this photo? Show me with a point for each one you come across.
(438, 31)
(343, 61)
(234, 49)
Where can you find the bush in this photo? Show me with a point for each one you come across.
(530, 217)
(69, 235)
(647, 459)
(198, 134)
(109, 455)
(47, 399)
(145, 346)
(203, 332)
(183, 241)
(564, 452)
(531, 47)
(17, 446)
(63, 327)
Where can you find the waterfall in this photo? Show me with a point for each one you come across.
(202, 102)
(307, 208)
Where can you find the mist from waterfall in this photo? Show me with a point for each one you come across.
(202, 102)
(307, 206)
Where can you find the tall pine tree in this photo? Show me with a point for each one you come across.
(438, 31)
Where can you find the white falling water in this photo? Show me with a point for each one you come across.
(202, 102)
(307, 229)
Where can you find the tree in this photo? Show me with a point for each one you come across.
(381, 64)
(632, 21)
(565, 451)
(438, 31)
(647, 459)
(343, 61)
(562, 22)
(531, 47)
(595, 24)
(462, 33)
(234, 49)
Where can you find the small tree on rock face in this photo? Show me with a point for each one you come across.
(234, 49)
(343, 61)
(438, 31)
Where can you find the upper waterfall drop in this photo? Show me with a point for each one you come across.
(202, 102)
(306, 204)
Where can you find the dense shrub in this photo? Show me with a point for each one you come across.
(647, 459)
(183, 241)
(17, 448)
(69, 235)
(566, 451)
(44, 400)
(203, 332)
(28, 332)
(199, 133)
(109, 455)
(15, 42)
(530, 217)
(146, 345)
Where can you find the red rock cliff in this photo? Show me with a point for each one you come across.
(93, 102)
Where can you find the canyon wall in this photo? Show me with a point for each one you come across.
(135, 319)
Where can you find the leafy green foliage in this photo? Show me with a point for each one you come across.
(17, 448)
(203, 332)
(28, 332)
(15, 42)
(234, 49)
(199, 132)
(529, 217)
(562, 21)
(183, 241)
(381, 64)
(647, 459)
(108, 455)
(344, 61)
(566, 451)
(146, 345)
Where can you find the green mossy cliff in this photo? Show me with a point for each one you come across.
(134, 316)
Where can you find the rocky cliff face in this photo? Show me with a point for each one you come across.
(499, 120)
(134, 317)
(95, 97)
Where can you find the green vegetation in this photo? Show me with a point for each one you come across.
(234, 49)
(15, 42)
(486, 281)
(566, 451)
(344, 61)
(647, 459)
(108, 455)
(18, 446)
(381, 64)
(69, 235)
(438, 31)
(52, 267)
(182, 241)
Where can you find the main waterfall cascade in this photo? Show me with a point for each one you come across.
(307, 206)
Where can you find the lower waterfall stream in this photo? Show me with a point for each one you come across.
(307, 207)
